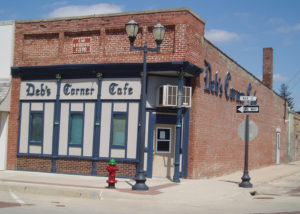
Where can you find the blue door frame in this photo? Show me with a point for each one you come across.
(155, 118)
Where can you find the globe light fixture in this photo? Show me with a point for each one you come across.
(158, 33)
(132, 29)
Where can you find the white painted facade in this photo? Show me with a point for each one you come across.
(80, 95)
(6, 61)
(7, 47)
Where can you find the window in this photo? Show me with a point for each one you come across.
(163, 140)
(76, 129)
(186, 96)
(172, 95)
(36, 127)
(119, 130)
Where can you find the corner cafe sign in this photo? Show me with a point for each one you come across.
(83, 89)
(215, 86)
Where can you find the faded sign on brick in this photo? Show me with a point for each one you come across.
(81, 45)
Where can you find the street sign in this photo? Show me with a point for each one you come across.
(247, 109)
(253, 130)
(248, 98)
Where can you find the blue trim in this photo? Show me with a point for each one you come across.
(166, 119)
(35, 143)
(117, 146)
(108, 69)
(185, 144)
(83, 124)
(128, 160)
(56, 126)
(29, 129)
(178, 130)
(119, 101)
(97, 129)
(126, 133)
(111, 127)
(37, 101)
(164, 110)
(138, 142)
(42, 148)
(19, 126)
(34, 155)
(151, 126)
(77, 100)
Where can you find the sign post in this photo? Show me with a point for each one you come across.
(247, 109)
(246, 178)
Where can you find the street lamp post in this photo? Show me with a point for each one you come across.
(132, 29)
(246, 178)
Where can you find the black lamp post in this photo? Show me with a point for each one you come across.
(132, 29)
(246, 178)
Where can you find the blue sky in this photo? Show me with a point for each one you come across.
(239, 28)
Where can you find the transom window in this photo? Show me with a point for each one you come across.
(163, 140)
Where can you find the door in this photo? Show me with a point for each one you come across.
(277, 147)
(163, 150)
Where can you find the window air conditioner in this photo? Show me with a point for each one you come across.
(168, 96)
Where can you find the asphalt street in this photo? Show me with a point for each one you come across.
(280, 196)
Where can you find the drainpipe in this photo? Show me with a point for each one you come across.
(178, 129)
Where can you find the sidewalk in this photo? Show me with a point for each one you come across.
(191, 191)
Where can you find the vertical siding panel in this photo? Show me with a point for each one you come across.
(48, 128)
(64, 123)
(24, 128)
(105, 129)
(88, 129)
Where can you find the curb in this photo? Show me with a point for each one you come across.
(80, 192)
(52, 190)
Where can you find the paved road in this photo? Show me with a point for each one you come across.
(280, 196)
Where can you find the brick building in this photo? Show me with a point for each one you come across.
(297, 136)
(76, 89)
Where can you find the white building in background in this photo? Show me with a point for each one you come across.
(6, 61)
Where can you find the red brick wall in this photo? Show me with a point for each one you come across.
(125, 169)
(50, 43)
(13, 124)
(34, 164)
(268, 67)
(39, 46)
(73, 166)
(215, 147)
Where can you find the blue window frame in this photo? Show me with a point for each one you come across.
(76, 129)
(119, 130)
(36, 127)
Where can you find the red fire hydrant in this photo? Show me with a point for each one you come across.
(112, 173)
